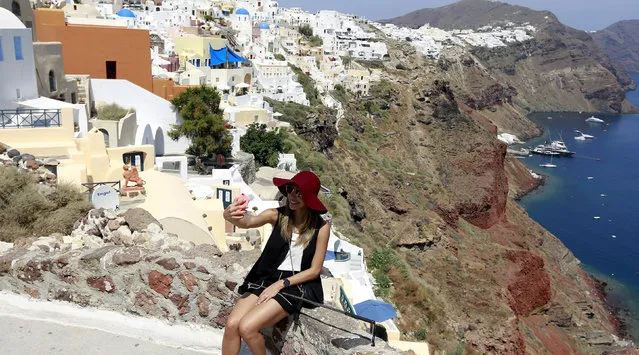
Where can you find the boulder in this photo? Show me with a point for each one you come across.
(26, 157)
(3, 148)
(139, 219)
(12, 153)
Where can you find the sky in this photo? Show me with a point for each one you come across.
(581, 14)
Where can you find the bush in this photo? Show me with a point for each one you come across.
(305, 30)
(27, 209)
(264, 145)
(112, 112)
(314, 41)
(279, 57)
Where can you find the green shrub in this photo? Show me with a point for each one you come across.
(421, 334)
(28, 209)
(112, 112)
(279, 57)
(264, 145)
(305, 30)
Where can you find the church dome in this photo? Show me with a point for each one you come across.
(242, 11)
(126, 13)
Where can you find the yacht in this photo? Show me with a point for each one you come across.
(554, 148)
(594, 119)
(583, 136)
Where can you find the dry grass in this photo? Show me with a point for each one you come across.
(29, 210)
(112, 112)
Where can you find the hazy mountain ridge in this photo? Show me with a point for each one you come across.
(559, 69)
(472, 14)
(620, 41)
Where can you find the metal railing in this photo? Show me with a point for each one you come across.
(29, 118)
(90, 186)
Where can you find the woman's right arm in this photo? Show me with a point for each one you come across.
(234, 214)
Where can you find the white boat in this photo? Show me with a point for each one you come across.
(594, 119)
(582, 136)
(548, 165)
(596, 217)
(590, 177)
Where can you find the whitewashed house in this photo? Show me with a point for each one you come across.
(17, 64)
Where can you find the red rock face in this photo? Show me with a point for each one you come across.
(529, 287)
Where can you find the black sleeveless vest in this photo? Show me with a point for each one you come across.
(274, 254)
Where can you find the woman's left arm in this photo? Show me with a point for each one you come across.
(307, 275)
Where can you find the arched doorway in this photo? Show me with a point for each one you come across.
(53, 86)
(159, 142)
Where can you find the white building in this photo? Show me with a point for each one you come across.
(17, 64)
(155, 116)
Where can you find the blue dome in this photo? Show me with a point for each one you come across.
(126, 13)
(263, 25)
(241, 11)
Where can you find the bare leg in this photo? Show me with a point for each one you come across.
(231, 342)
(262, 316)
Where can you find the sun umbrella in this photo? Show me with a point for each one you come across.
(376, 310)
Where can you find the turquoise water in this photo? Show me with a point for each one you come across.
(569, 201)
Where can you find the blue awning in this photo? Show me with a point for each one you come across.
(223, 55)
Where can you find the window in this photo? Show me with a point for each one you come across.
(111, 69)
(52, 84)
(15, 8)
(197, 62)
(74, 98)
(17, 46)
(1, 55)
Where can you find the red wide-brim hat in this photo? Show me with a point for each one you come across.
(309, 185)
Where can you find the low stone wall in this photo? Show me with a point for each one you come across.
(127, 263)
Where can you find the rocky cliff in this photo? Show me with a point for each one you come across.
(620, 41)
(424, 185)
(559, 69)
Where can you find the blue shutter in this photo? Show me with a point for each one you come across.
(17, 44)
(1, 55)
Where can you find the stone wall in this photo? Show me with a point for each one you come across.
(127, 263)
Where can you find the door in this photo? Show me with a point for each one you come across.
(111, 69)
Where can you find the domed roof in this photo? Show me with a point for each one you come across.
(9, 20)
(241, 11)
(126, 13)
(263, 25)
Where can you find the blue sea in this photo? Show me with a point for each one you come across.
(601, 179)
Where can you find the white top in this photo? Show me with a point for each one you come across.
(293, 260)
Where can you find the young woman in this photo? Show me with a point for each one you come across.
(291, 262)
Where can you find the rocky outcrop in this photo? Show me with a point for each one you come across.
(529, 285)
(318, 128)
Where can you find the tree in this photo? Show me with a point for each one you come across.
(203, 122)
(264, 145)
(305, 30)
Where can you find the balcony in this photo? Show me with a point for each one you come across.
(29, 118)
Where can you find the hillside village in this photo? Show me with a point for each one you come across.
(64, 62)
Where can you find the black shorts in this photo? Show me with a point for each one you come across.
(291, 305)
